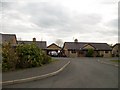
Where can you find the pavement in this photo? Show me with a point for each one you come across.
(108, 61)
(31, 74)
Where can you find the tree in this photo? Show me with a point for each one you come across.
(19, 39)
(59, 42)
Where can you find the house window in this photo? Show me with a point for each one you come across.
(73, 51)
(106, 51)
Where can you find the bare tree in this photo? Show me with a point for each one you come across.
(19, 39)
(111, 45)
(59, 42)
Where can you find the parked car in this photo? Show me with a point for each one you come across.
(53, 53)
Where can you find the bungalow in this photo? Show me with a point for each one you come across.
(40, 44)
(5, 39)
(116, 50)
(8, 38)
(11, 38)
(80, 49)
(53, 48)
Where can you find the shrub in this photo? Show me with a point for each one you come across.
(23, 56)
(9, 57)
(47, 59)
(117, 55)
(29, 56)
(90, 53)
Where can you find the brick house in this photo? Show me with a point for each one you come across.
(80, 49)
(116, 50)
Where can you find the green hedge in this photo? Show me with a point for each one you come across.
(23, 56)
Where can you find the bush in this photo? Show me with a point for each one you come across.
(47, 59)
(23, 56)
(90, 53)
(9, 57)
(30, 56)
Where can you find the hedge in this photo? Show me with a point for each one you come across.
(23, 56)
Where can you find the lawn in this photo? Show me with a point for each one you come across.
(115, 61)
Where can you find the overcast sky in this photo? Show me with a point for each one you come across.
(48, 20)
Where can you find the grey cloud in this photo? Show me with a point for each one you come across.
(119, 14)
(55, 20)
(9, 5)
(47, 15)
(109, 2)
(107, 32)
(91, 19)
(16, 29)
(113, 23)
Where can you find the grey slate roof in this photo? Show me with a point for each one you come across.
(118, 44)
(101, 46)
(73, 45)
(7, 37)
(80, 45)
(40, 44)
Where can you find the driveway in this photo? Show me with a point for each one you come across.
(80, 73)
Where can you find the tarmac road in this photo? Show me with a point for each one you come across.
(80, 73)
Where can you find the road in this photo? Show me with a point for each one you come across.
(80, 73)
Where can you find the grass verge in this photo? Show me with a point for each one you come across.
(118, 61)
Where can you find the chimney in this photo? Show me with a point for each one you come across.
(34, 39)
(76, 40)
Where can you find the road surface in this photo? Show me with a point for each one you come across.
(80, 73)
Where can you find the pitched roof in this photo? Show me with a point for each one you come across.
(73, 45)
(101, 46)
(84, 47)
(7, 37)
(118, 44)
(53, 44)
(80, 45)
(40, 44)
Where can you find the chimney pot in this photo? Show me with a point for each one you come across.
(76, 40)
(34, 39)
